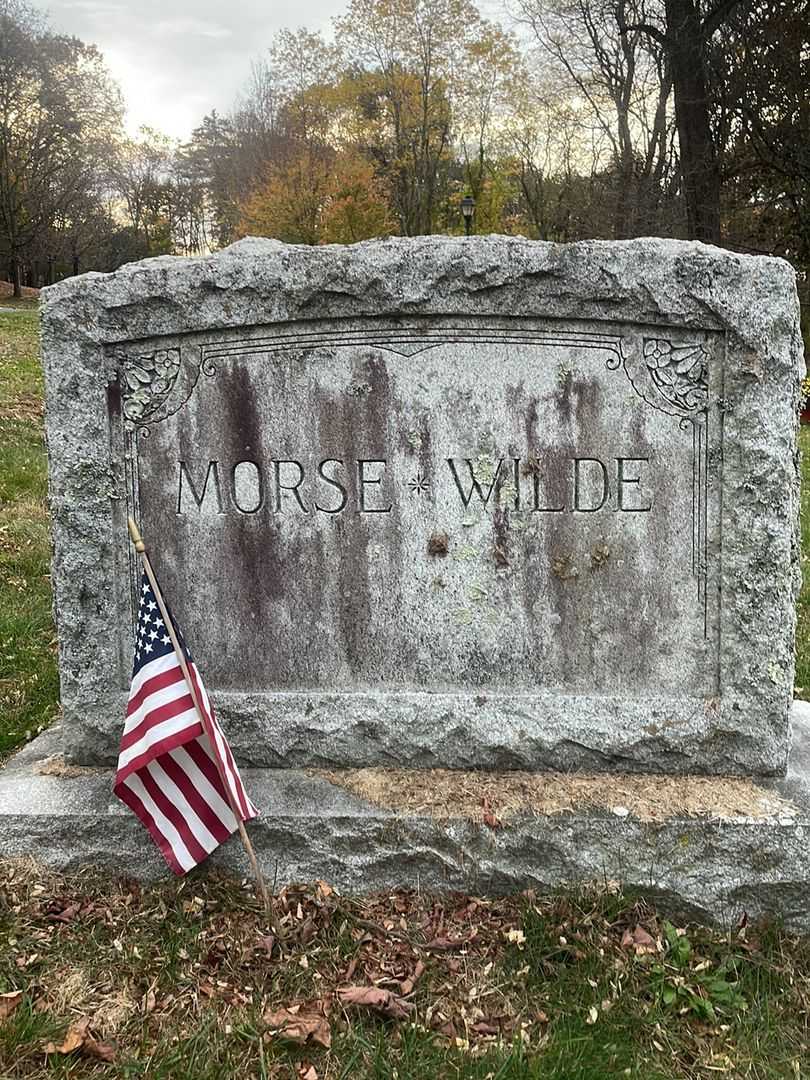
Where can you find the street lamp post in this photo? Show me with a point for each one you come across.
(468, 210)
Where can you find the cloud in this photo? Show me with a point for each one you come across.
(177, 61)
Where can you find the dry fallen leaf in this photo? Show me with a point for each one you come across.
(9, 1002)
(639, 941)
(101, 1050)
(407, 985)
(445, 944)
(266, 944)
(382, 1001)
(299, 1027)
(67, 914)
(78, 1037)
(490, 820)
(73, 1040)
(484, 1027)
(307, 1071)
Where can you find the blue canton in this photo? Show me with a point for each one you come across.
(151, 638)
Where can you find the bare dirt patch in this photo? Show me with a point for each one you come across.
(7, 291)
(479, 796)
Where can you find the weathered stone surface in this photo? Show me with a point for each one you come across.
(700, 868)
(623, 600)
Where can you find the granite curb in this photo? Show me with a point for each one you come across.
(700, 868)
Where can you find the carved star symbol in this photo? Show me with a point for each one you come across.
(419, 484)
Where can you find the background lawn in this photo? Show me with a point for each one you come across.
(28, 680)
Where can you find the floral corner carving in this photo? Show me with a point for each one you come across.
(680, 373)
(147, 380)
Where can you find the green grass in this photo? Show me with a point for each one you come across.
(803, 606)
(28, 679)
(180, 982)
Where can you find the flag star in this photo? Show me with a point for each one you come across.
(144, 589)
(152, 635)
(151, 605)
(158, 622)
(147, 647)
(166, 639)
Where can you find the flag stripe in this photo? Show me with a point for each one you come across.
(205, 813)
(149, 777)
(151, 669)
(163, 714)
(163, 826)
(151, 686)
(223, 751)
(128, 796)
(205, 772)
(144, 715)
(240, 800)
(167, 784)
(161, 746)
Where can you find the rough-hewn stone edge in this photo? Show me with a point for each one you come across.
(413, 730)
(656, 282)
(703, 869)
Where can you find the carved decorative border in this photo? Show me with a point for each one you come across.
(678, 384)
(670, 377)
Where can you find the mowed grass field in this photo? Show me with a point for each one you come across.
(187, 981)
(28, 681)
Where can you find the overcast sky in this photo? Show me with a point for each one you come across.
(177, 59)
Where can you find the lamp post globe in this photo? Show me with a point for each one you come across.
(468, 210)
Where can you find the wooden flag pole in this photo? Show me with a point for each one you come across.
(140, 547)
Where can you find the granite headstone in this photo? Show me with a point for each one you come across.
(439, 502)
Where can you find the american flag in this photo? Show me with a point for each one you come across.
(169, 773)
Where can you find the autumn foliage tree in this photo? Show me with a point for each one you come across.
(318, 197)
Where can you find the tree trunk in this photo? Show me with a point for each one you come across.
(16, 277)
(701, 178)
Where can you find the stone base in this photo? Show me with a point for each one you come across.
(697, 867)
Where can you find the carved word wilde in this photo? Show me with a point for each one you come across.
(332, 485)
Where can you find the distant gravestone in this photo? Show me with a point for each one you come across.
(489, 502)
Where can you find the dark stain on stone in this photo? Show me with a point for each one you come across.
(531, 426)
(425, 455)
(500, 530)
(438, 544)
(259, 564)
(114, 400)
(360, 426)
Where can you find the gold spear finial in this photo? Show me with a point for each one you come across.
(135, 535)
